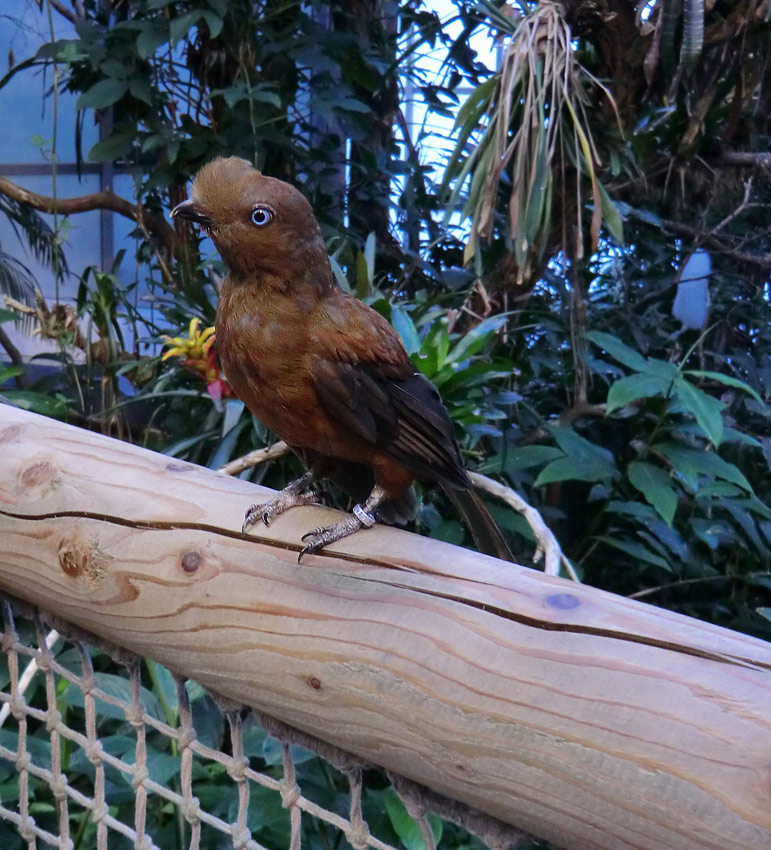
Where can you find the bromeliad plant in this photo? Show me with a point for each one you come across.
(199, 356)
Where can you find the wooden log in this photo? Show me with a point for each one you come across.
(582, 717)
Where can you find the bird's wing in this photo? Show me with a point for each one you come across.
(365, 380)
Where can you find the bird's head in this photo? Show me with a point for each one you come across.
(260, 225)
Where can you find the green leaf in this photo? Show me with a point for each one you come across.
(141, 90)
(528, 456)
(153, 35)
(611, 217)
(578, 447)
(46, 405)
(102, 94)
(695, 462)
(471, 342)
(405, 826)
(575, 469)
(655, 486)
(634, 387)
(707, 411)
(618, 351)
(179, 27)
(8, 315)
(113, 147)
(637, 550)
(724, 379)
(405, 327)
(10, 372)
(119, 688)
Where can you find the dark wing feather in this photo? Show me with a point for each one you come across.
(404, 417)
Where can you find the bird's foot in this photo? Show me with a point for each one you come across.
(291, 496)
(360, 518)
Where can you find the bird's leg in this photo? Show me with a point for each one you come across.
(295, 493)
(360, 518)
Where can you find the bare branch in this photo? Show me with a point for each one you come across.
(104, 200)
(253, 458)
(763, 261)
(547, 546)
(744, 159)
(64, 11)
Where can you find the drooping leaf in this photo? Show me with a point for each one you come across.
(697, 462)
(728, 380)
(102, 94)
(707, 411)
(618, 350)
(655, 485)
(633, 387)
(575, 469)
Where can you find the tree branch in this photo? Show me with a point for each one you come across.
(106, 199)
(64, 12)
(745, 159)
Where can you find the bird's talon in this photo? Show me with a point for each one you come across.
(312, 533)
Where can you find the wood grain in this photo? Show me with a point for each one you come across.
(579, 716)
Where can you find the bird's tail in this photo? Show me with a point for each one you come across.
(487, 536)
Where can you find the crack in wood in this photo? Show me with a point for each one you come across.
(503, 613)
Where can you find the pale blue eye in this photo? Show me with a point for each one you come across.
(262, 216)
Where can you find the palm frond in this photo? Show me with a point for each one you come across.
(536, 128)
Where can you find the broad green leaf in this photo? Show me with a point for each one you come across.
(634, 387)
(724, 379)
(628, 356)
(655, 486)
(578, 447)
(711, 532)
(8, 315)
(527, 456)
(10, 372)
(405, 826)
(153, 35)
(471, 342)
(113, 147)
(118, 687)
(575, 469)
(47, 405)
(635, 509)
(180, 26)
(764, 612)
(695, 462)
(707, 411)
(102, 94)
(637, 550)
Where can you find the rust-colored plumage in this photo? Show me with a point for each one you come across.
(318, 367)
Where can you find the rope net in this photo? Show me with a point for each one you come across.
(101, 748)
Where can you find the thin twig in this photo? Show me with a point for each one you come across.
(547, 546)
(254, 458)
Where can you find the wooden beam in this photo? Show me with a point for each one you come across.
(579, 716)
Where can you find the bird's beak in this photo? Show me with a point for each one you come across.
(190, 211)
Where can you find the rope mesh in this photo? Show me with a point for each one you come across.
(147, 760)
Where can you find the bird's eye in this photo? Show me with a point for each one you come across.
(262, 216)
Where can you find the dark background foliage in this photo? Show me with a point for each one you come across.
(536, 288)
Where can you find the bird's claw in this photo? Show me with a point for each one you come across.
(321, 536)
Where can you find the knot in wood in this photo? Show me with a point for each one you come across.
(37, 474)
(314, 683)
(81, 557)
(10, 433)
(191, 561)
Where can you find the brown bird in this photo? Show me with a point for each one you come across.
(318, 367)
